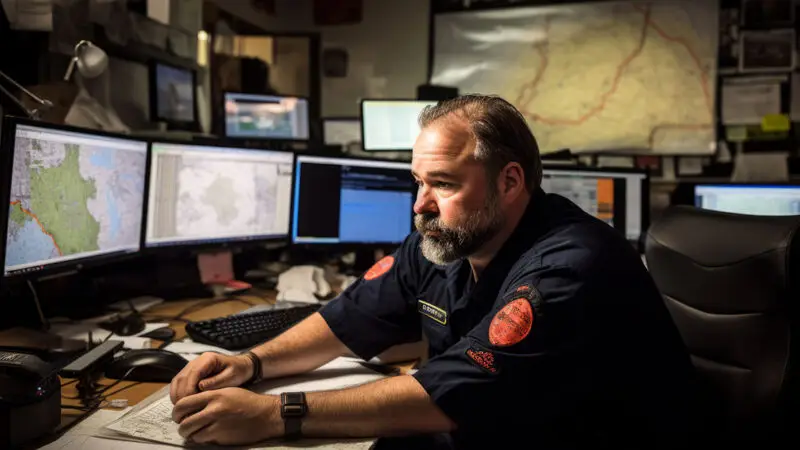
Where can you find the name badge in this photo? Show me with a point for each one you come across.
(434, 312)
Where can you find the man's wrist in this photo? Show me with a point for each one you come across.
(255, 364)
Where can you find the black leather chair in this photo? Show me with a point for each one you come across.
(731, 284)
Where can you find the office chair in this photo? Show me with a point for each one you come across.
(730, 283)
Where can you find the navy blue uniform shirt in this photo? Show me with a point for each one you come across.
(563, 341)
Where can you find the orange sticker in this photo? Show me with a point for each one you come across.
(511, 324)
(379, 268)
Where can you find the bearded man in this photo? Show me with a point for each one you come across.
(544, 327)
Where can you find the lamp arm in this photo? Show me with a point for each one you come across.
(46, 104)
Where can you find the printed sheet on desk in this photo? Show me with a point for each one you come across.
(151, 420)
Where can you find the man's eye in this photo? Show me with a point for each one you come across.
(443, 185)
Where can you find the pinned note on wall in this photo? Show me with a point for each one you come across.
(776, 122)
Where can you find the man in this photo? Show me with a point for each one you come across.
(544, 326)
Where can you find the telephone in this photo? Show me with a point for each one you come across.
(306, 284)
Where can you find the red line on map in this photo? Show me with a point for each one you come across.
(528, 91)
(33, 216)
(684, 44)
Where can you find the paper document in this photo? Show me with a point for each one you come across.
(151, 420)
(192, 347)
(747, 101)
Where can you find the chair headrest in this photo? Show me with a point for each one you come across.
(722, 262)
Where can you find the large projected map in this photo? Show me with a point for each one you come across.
(604, 76)
(73, 199)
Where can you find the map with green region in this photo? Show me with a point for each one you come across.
(65, 215)
(70, 200)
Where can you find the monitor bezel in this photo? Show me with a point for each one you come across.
(192, 125)
(645, 203)
(722, 183)
(261, 138)
(337, 246)
(9, 129)
(363, 130)
(211, 244)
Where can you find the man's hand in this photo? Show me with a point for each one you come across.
(229, 416)
(208, 372)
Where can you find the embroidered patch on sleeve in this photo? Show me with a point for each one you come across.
(379, 268)
(512, 323)
(483, 359)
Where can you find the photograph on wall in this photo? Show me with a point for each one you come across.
(767, 51)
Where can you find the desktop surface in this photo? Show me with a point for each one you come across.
(391, 124)
(266, 117)
(207, 194)
(753, 199)
(615, 197)
(352, 201)
(74, 196)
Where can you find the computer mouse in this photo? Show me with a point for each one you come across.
(161, 334)
(124, 325)
(148, 365)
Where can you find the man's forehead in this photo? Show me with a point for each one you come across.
(444, 142)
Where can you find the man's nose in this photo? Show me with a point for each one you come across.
(425, 203)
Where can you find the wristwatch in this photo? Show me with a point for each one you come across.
(293, 409)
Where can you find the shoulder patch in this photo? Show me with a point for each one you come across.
(512, 323)
(379, 268)
(483, 359)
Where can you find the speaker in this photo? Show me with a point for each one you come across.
(434, 92)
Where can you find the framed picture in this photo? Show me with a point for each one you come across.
(651, 163)
(768, 13)
(767, 51)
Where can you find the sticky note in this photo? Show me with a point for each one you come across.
(775, 122)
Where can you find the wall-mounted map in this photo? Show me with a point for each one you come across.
(608, 76)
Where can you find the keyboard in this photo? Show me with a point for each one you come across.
(242, 331)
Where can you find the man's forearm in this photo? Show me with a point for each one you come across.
(304, 347)
(391, 407)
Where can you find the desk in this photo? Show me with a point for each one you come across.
(136, 392)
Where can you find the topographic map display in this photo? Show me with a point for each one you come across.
(73, 199)
(608, 76)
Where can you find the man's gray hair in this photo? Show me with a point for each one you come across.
(501, 133)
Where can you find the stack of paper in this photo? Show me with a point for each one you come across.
(151, 420)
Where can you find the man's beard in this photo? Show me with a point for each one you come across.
(462, 240)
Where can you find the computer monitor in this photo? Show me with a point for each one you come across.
(390, 124)
(352, 201)
(620, 197)
(752, 199)
(75, 197)
(341, 131)
(274, 117)
(172, 94)
(204, 194)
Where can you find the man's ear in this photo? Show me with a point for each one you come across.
(512, 180)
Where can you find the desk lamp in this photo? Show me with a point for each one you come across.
(92, 106)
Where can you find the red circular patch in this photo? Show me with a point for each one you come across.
(511, 324)
(379, 268)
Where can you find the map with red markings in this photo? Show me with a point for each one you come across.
(608, 76)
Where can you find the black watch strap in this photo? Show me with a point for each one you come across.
(293, 409)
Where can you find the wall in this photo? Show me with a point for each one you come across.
(388, 49)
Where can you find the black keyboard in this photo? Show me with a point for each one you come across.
(247, 330)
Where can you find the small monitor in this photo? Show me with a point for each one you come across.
(202, 194)
(752, 199)
(352, 201)
(618, 197)
(391, 124)
(341, 131)
(75, 197)
(253, 116)
(173, 94)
